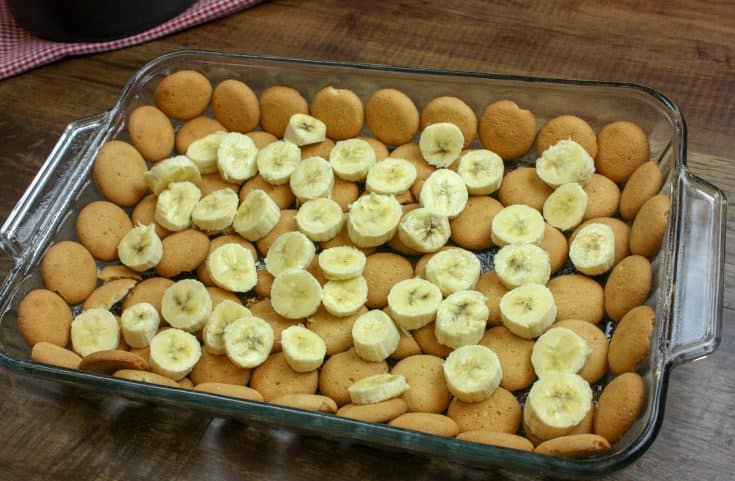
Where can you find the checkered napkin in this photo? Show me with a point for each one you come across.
(21, 50)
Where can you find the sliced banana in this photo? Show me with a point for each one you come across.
(257, 215)
(391, 176)
(559, 350)
(441, 143)
(518, 264)
(375, 336)
(277, 161)
(295, 294)
(517, 224)
(473, 373)
(232, 267)
(139, 323)
(236, 158)
(303, 129)
(593, 249)
(174, 353)
(215, 211)
(186, 305)
(461, 319)
(224, 313)
(424, 230)
(453, 270)
(482, 171)
(290, 251)
(304, 349)
(140, 248)
(313, 178)
(203, 152)
(564, 162)
(556, 404)
(373, 219)
(175, 205)
(248, 341)
(352, 159)
(344, 298)
(377, 388)
(565, 207)
(342, 262)
(174, 169)
(413, 303)
(528, 311)
(94, 330)
(320, 219)
(444, 191)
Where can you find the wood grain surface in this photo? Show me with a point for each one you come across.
(685, 49)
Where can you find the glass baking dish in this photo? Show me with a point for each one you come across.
(688, 271)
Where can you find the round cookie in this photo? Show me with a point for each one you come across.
(556, 245)
(43, 316)
(213, 182)
(379, 412)
(501, 412)
(644, 183)
(118, 173)
(603, 196)
(109, 294)
(150, 291)
(491, 438)
(453, 110)
(506, 129)
(490, 285)
(523, 186)
(344, 193)
(316, 271)
(182, 252)
(627, 286)
(151, 133)
(471, 228)
(514, 354)
(202, 272)
(574, 446)
(277, 104)
(230, 390)
(429, 423)
(55, 355)
(578, 297)
(341, 370)
(381, 151)
(425, 375)
(631, 341)
(144, 214)
(280, 194)
(622, 147)
(567, 127)
(217, 294)
(216, 368)
(382, 271)
(649, 226)
(620, 404)
(113, 273)
(621, 232)
(407, 345)
(320, 149)
(392, 116)
(235, 106)
(275, 378)
(100, 226)
(287, 223)
(341, 110)
(183, 94)
(261, 138)
(307, 402)
(194, 129)
(185, 383)
(264, 310)
(425, 337)
(343, 239)
(396, 243)
(69, 270)
(264, 283)
(596, 366)
(335, 331)
(145, 376)
(107, 362)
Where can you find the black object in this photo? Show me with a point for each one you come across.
(92, 20)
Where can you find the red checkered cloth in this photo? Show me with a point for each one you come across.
(21, 50)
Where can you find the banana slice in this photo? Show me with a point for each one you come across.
(565, 207)
(203, 152)
(593, 250)
(320, 219)
(556, 404)
(174, 353)
(559, 350)
(248, 341)
(373, 219)
(232, 267)
(444, 191)
(441, 144)
(461, 319)
(375, 336)
(517, 224)
(377, 388)
(352, 159)
(94, 330)
(224, 313)
(290, 251)
(186, 305)
(482, 171)
(344, 298)
(257, 215)
(473, 373)
(215, 211)
(173, 169)
(295, 294)
(236, 158)
(391, 176)
(175, 205)
(313, 178)
(304, 129)
(453, 270)
(140, 248)
(564, 162)
(277, 161)
(304, 349)
(413, 303)
(424, 230)
(139, 323)
(528, 311)
(518, 264)
(342, 262)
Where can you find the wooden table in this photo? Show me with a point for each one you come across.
(685, 49)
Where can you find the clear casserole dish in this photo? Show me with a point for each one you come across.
(688, 271)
